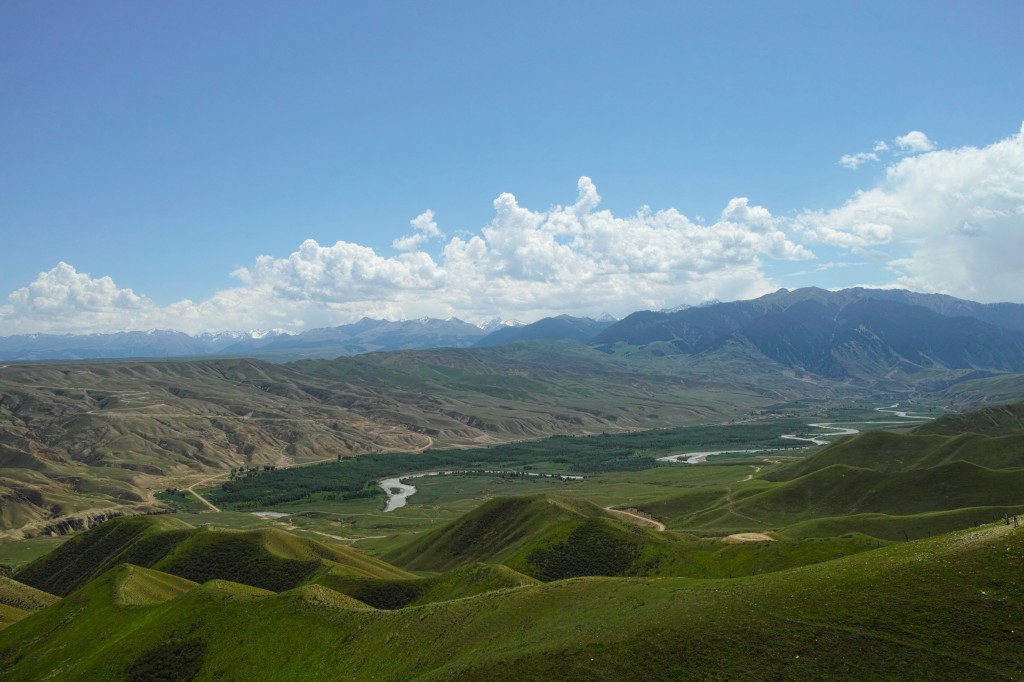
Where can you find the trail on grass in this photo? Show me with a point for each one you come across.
(635, 518)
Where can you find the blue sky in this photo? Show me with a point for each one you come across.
(167, 164)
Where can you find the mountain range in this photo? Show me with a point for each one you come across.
(810, 328)
(364, 336)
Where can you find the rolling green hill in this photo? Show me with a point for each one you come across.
(269, 559)
(513, 588)
(552, 539)
(888, 485)
(465, 581)
(897, 612)
(997, 420)
(18, 600)
(493, 532)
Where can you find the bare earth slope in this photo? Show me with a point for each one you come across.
(83, 442)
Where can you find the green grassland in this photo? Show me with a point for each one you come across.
(17, 553)
(875, 557)
(896, 612)
(882, 484)
(266, 558)
(18, 600)
(878, 483)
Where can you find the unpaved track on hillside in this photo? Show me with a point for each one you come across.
(634, 518)
(757, 469)
(192, 489)
(729, 503)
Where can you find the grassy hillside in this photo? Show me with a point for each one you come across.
(18, 601)
(841, 489)
(465, 581)
(139, 586)
(896, 612)
(552, 539)
(267, 559)
(845, 491)
(888, 485)
(998, 420)
(898, 527)
(141, 540)
(492, 533)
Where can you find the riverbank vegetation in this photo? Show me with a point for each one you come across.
(356, 477)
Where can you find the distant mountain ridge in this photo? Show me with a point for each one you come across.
(369, 335)
(839, 334)
(561, 328)
(366, 335)
(155, 343)
(809, 328)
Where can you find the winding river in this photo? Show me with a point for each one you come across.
(399, 492)
(813, 438)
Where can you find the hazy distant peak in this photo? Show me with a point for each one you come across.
(258, 334)
(496, 323)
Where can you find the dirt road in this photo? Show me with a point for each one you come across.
(637, 519)
(192, 490)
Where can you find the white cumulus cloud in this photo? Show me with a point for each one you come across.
(426, 229)
(65, 300)
(524, 264)
(957, 214)
(855, 161)
(63, 289)
(914, 142)
(939, 220)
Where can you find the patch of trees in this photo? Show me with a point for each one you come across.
(592, 548)
(357, 476)
(239, 558)
(82, 558)
(177, 660)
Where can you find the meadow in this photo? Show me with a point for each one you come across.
(766, 565)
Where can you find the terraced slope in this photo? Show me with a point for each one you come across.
(945, 608)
